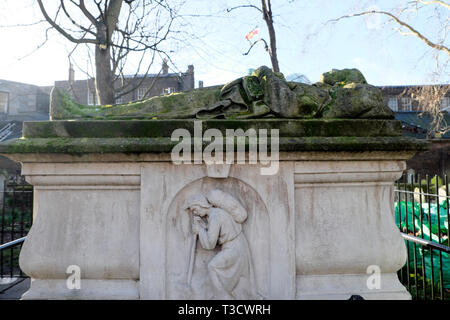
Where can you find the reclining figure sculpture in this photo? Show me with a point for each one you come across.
(339, 94)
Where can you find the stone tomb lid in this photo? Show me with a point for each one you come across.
(154, 136)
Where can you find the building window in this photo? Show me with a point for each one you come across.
(406, 104)
(120, 99)
(4, 102)
(141, 93)
(445, 103)
(393, 103)
(91, 98)
(168, 90)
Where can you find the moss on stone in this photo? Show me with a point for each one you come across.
(340, 94)
(164, 128)
(123, 136)
(176, 105)
(165, 145)
(252, 88)
(342, 77)
(358, 100)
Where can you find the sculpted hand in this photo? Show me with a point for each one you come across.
(197, 225)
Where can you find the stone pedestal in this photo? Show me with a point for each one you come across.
(113, 204)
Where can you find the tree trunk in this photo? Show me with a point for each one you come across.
(267, 15)
(273, 47)
(103, 72)
(104, 77)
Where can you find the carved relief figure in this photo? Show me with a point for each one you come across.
(217, 221)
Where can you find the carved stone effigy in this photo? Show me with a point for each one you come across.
(109, 199)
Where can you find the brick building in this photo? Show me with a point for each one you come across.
(417, 125)
(19, 102)
(399, 99)
(410, 112)
(136, 87)
(22, 101)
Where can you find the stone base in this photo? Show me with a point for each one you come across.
(110, 200)
(343, 286)
(312, 229)
(90, 289)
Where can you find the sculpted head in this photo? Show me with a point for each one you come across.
(197, 205)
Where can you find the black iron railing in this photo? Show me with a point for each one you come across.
(18, 279)
(16, 214)
(422, 214)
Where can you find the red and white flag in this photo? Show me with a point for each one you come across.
(251, 34)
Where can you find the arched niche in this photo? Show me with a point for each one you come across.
(179, 240)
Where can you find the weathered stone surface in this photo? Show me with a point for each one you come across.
(277, 94)
(263, 94)
(310, 99)
(235, 94)
(164, 128)
(81, 207)
(252, 88)
(179, 105)
(322, 86)
(213, 111)
(342, 77)
(328, 191)
(229, 86)
(240, 99)
(260, 109)
(94, 180)
(154, 136)
(80, 146)
(357, 100)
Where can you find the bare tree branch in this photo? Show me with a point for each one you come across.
(266, 10)
(112, 15)
(244, 6)
(266, 47)
(142, 28)
(86, 12)
(413, 31)
(442, 3)
(267, 15)
(87, 30)
(23, 24)
(39, 45)
(61, 30)
(429, 99)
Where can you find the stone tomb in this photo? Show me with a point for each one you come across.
(109, 200)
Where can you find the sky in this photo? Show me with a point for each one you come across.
(306, 43)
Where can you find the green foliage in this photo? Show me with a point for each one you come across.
(430, 222)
